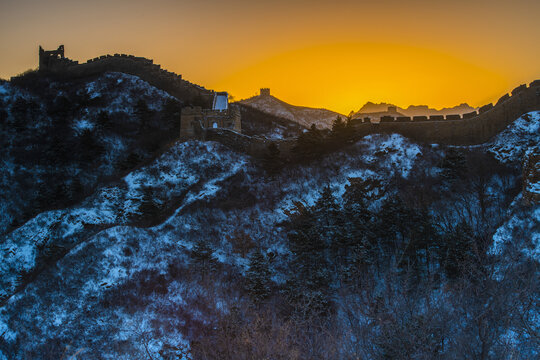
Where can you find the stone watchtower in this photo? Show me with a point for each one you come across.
(48, 58)
(195, 120)
(265, 91)
(54, 60)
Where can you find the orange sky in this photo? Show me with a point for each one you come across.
(333, 54)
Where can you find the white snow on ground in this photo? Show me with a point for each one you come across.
(523, 224)
(378, 158)
(192, 173)
(533, 188)
(172, 173)
(276, 134)
(91, 90)
(114, 93)
(82, 124)
(4, 89)
(102, 262)
(400, 153)
(127, 90)
(511, 144)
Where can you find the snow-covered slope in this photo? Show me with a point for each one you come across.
(512, 143)
(53, 120)
(112, 277)
(125, 288)
(92, 296)
(304, 116)
(519, 143)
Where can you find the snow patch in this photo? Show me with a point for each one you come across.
(510, 145)
(80, 125)
(522, 229)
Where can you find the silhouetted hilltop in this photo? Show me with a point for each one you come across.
(382, 109)
(302, 115)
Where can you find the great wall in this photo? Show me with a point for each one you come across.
(470, 129)
(55, 62)
(473, 128)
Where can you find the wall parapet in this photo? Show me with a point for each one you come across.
(470, 129)
(485, 108)
(436, 117)
(403, 118)
(470, 115)
(519, 89)
(503, 98)
(170, 82)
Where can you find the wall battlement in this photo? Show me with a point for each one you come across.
(472, 128)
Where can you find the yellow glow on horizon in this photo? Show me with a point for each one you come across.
(343, 76)
(318, 53)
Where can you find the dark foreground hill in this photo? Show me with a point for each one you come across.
(380, 248)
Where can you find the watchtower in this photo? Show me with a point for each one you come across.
(265, 91)
(49, 59)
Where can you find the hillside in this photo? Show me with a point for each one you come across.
(378, 247)
(259, 123)
(305, 116)
(61, 138)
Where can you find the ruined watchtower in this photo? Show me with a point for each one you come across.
(265, 91)
(54, 60)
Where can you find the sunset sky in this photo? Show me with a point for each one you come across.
(333, 54)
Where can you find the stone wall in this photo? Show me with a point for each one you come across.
(195, 120)
(148, 71)
(144, 68)
(472, 128)
(253, 145)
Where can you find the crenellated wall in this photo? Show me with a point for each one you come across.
(469, 129)
(253, 145)
(51, 62)
(147, 71)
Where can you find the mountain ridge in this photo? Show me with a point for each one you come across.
(154, 264)
(303, 115)
(412, 110)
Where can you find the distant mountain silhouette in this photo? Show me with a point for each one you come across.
(302, 115)
(323, 118)
(381, 109)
